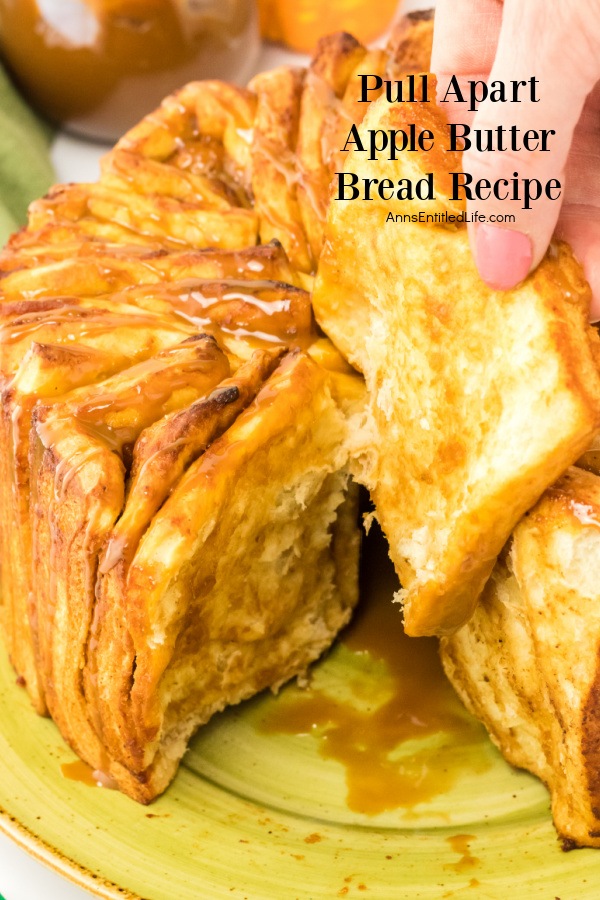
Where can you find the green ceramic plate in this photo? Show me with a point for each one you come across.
(373, 783)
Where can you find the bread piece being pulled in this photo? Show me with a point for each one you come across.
(527, 663)
(479, 399)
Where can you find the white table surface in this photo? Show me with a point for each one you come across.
(21, 876)
(24, 878)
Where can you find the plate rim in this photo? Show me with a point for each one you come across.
(59, 863)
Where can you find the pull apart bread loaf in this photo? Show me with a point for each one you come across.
(177, 438)
(179, 526)
(478, 399)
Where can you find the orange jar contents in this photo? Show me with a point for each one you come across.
(300, 23)
(98, 66)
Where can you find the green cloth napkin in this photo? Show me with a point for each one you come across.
(25, 168)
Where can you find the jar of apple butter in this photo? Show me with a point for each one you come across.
(97, 66)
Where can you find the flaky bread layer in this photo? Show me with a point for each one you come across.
(235, 581)
(479, 399)
(528, 661)
(40, 269)
(32, 371)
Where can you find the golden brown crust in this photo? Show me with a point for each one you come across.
(336, 57)
(113, 397)
(410, 43)
(138, 692)
(274, 169)
(166, 448)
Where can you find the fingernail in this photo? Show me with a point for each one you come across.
(503, 257)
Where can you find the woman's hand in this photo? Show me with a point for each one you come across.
(557, 42)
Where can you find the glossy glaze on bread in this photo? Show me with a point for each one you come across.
(179, 526)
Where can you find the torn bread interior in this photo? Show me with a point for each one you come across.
(478, 399)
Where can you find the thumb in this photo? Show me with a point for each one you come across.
(552, 42)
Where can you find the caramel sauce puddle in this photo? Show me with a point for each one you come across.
(78, 770)
(367, 739)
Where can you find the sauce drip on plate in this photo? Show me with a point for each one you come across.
(78, 770)
(384, 771)
(461, 844)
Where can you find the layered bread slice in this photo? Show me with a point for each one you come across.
(129, 304)
(528, 661)
(479, 399)
(48, 347)
(188, 551)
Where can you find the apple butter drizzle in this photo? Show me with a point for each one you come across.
(461, 844)
(367, 739)
(78, 770)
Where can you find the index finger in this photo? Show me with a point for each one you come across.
(465, 39)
